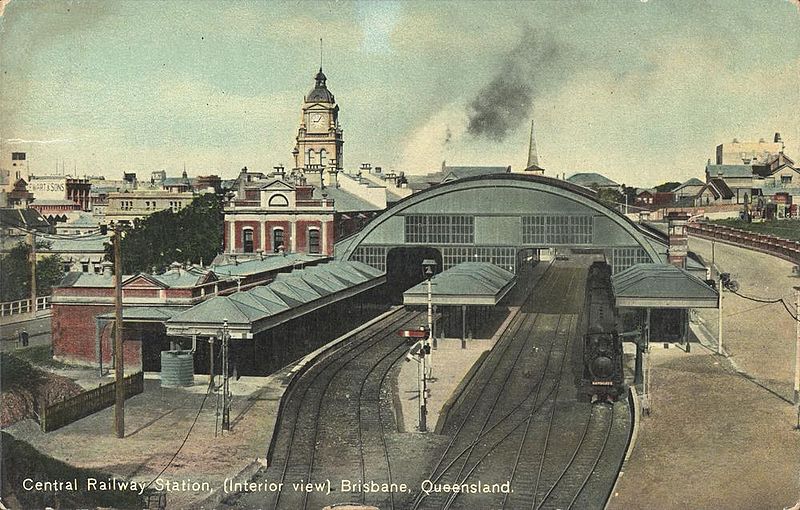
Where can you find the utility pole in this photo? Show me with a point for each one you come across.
(32, 240)
(719, 334)
(797, 351)
(211, 361)
(226, 409)
(119, 364)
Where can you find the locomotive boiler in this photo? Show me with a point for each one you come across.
(602, 347)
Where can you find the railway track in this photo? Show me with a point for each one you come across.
(332, 421)
(527, 426)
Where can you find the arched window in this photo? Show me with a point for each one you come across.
(247, 236)
(278, 201)
(313, 240)
(311, 156)
(277, 240)
(322, 157)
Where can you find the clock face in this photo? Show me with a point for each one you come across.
(316, 119)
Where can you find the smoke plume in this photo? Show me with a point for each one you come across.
(535, 64)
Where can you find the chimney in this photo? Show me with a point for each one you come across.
(107, 268)
(378, 169)
(678, 238)
(280, 172)
(314, 173)
(333, 177)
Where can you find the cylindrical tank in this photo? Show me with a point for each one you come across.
(177, 369)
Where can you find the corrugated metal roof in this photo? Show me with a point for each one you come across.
(156, 313)
(661, 286)
(467, 283)
(288, 291)
(730, 170)
(587, 179)
(345, 201)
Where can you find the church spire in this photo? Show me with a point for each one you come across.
(533, 155)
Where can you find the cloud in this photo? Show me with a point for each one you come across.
(17, 141)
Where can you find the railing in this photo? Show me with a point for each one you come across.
(779, 247)
(24, 306)
(72, 409)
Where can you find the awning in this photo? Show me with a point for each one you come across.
(289, 296)
(661, 286)
(468, 283)
(145, 313)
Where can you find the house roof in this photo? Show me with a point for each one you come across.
(661, 286)
(694, 181)
(720, 189)
(22, 218)
(729, 170)
(78, 244)
(587, 179)
(450, 173)
(345, 201)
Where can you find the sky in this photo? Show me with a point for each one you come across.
(640, 91)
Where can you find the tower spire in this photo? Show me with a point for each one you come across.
(533, 155)
(320, 53)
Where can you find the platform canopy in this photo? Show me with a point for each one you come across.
(468, 283)
(661, 286)
(289, 296)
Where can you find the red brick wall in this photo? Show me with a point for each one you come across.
(287, 235)
(136, 293)
(73, 333)
(328, 248)
(240, 237)
(225, 241)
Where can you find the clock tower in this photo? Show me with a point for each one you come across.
(318, 151)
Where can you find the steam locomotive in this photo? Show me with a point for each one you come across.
(602, 347)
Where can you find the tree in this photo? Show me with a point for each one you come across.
(667, 186)
(192, 235)
(610, 196)
(16, 273)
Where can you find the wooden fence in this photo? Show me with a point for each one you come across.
(72, 409)
(24, 306)
(783, 248)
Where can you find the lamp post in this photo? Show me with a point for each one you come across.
(797, 351)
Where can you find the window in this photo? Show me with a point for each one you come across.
(67, 267)
(374, 256)
(313, 241)
(247, 234)
(623, 258)
(435, 229)
(322, 157)
(550, 229)
(85, 267)
(17, 156)
(503, 257)
(278, 201)
(786, 179)
(311, 156)
(277, 240)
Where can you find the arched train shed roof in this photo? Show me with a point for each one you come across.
(444, 196)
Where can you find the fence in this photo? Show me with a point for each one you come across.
(24, 306)
(72, 409)
(783, 248)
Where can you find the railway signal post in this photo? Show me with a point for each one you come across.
(419, 352)
(428, 266)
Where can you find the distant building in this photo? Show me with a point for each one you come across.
(748, 152)
(13, 167)
(593, 180)
(60, 187)
(689, 188)
(15, 223)
(135, 204)
(715, 192)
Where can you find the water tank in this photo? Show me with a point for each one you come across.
(177, 369)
